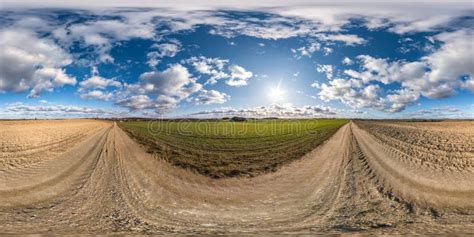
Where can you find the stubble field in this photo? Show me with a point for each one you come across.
(90, 176)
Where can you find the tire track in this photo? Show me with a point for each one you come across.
(412, 183)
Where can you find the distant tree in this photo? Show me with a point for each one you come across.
(238, 119)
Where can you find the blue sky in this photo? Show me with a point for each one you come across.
(310, 59)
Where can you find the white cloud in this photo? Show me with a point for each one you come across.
(56, 110)
(101, 34)
(238, 76)
(401, 99)
(380, 69)
(169, 49)
(164, 104)
(347, 61)
(289, 19)
(274, 110)
(348, 39)
(31, 63)
(97, 95)
(351, 92)
(40, 66)
(153, 59)
(170, 87)
(398, 16)
(437, 75)
(453, 60)
(442, 112)
(327, 50)
(210, 97)
(306, 50)
(277, 27)
(469, 85)
(326, 69)
(174, 81)
(136, 102)
(214, 67)
(98, 82)
(92, 87)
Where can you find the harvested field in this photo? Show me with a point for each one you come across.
(225, 149)
(25, 143)
(368, 177)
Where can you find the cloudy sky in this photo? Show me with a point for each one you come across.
(389, 59)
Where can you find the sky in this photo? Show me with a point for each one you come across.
(174, 59)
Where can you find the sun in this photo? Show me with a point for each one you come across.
(276, 94)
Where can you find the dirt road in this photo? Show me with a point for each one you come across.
(353, 183)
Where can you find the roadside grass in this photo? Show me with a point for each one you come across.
(220, 149)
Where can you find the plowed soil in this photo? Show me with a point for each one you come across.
(89, 177)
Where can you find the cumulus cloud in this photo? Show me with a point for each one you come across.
(348, 39)
(437, 75)
(97, 95)
(94, 86)
(28, 62)
(326, 69)
(170, 87)
(306, 51)
(444, 112)
(356, 94)
(284, 18)
(98, 82)
(174, 81)
(469, 85)
(347, 61)
(238, 76)
(310, 49)
(453, 60)
(56, 110)
(136, 102)
(350, 92)
(153, 59)
(101, 34)
(168, 49)
(210, 97)
(40, 66)
(274, 110)
(213, 67)
(269, 27)
(401, 99)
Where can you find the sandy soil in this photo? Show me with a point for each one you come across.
(355, 182)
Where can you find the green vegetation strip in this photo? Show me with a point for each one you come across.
(222, 149)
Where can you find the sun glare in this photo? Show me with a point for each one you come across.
(276, 94)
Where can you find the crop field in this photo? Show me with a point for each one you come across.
(220, 177)
(226, 149)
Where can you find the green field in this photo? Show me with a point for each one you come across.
(220, 149)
